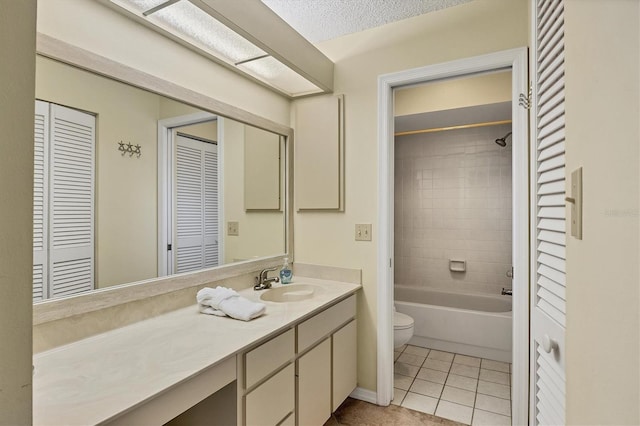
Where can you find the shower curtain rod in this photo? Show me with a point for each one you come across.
(461, 126)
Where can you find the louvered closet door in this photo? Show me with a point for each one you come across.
(196, 204)
(548, 298)
(40, 201)
(71, 202)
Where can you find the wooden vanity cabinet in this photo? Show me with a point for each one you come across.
(302, 375)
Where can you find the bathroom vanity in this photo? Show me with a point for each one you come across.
(293, 365)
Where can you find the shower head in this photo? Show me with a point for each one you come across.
(503, 141)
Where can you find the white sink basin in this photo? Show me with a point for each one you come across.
(290, 293)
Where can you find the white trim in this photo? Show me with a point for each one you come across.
(165, 144)
(221, 221)
(516, 60)
(363, 394)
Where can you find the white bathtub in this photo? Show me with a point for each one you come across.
(474, 325)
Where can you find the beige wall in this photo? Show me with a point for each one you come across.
(475, 28)
(17, 70)
(97, 28)
(602, 115)
(261, 232)
(455, 93)
(207, 130)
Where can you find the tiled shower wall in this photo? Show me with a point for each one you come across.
(453, 201)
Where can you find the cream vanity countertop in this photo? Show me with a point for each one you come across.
(96, 379)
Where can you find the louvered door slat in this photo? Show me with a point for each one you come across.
(552, 286)
(71, 210)
(552, 249)
(552, 237)
(551, 224)
(551, 200)
(552, 175)
(556, 187)
(549, 294)
(552, 163)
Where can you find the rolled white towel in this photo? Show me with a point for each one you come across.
(225, 301)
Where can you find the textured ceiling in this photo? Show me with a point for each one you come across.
(319, 20)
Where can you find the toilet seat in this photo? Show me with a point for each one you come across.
(401, 321)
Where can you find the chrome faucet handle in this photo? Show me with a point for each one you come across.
(262, 280)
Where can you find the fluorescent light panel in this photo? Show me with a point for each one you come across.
(196, 27)
(274, 72)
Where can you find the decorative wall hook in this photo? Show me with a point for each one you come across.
(129, 148)
(525, 100)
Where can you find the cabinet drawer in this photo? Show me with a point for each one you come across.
(272, 401)
(268, 357)
(314, 329)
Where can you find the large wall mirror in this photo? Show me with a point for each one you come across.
(132, 185)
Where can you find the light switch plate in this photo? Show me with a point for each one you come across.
(576, 205)
(363, 232)
(233, 229)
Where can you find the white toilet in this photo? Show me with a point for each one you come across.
(402, 328)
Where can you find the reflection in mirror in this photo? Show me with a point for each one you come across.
(131, 185)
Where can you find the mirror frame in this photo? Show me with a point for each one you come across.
(55, 309)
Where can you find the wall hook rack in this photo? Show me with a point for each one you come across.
(129, 148)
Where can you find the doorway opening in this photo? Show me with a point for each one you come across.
(189, 193)
(515, 62)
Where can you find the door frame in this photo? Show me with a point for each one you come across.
(165, 159)
(517, 61)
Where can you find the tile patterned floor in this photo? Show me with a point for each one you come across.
(469, 390)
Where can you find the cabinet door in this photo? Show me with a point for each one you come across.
(314, 385)
(345, 366)
(261, 169)
(319, 152)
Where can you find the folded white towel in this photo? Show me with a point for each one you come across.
(223, 301)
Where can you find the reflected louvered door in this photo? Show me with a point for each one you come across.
(71, 201)
(211, 206)
(196, 205)
(548, 299)
(40, 201)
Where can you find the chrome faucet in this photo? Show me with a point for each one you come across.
(507, 292)
(263, 282)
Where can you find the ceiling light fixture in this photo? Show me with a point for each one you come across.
(193, 25)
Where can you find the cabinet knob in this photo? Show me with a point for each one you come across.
(548, 344)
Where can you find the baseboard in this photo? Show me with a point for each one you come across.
(365, 395)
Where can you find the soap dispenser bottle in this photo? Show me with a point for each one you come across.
(285, 273)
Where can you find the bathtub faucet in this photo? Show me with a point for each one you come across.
(506, 292)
